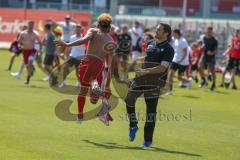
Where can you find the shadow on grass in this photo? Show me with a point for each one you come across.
(190, 96)
(221, 92)
(153, 149)
(217, 92)
(34, 86)
(40, 80)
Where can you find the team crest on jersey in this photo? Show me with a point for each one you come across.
(124, 45)
(110, 47)
(150, 47)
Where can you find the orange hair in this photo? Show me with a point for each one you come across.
(105, 20)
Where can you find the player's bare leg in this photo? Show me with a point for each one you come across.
(30, 72)
(13, 56)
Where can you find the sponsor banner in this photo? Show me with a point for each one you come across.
(11, 20)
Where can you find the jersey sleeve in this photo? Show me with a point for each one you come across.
(184, 44)
(168, 55)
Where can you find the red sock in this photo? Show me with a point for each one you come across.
(81, 103)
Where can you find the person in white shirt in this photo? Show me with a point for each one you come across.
(190, 52)
(180, 60)
(137, 35)
(68, 28)
(76, 55)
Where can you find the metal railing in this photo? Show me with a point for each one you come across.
(59, 6)
(149, 11)
(224, 30)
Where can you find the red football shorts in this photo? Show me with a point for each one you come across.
(29, 55)
(88, 70)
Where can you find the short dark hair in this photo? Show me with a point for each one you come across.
(136, 22)
(48, 26)
(78, 26)
(200, 42)
(125, 26)
(146, 30)
(167, 29)
(210, 28)
(149, 35)
(31, 21)
(177, 31)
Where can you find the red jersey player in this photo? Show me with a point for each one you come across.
(197, 52)
(234, 59)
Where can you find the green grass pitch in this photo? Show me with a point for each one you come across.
(209, 128)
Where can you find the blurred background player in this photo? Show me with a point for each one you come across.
(233, 53)
(113, 33)
(124, 41)
(38, 58)
(180, 60)
(27, 40)
(68, 28)
(148, 37)
(76, 55)
(197, 51)
(208, 59)
(137, 35)
(15, 49)
(50, 49)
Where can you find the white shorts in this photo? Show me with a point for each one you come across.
(31, 58)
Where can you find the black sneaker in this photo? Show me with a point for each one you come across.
(226, 85)
(213, 87)
(196, 79)
(53, 80)
(34, 69)
(234, 87)
(209, 78)
(203, 83)
(221, 85)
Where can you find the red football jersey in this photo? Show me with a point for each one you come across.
(235, 50)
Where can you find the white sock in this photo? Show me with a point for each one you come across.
(21, 67)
